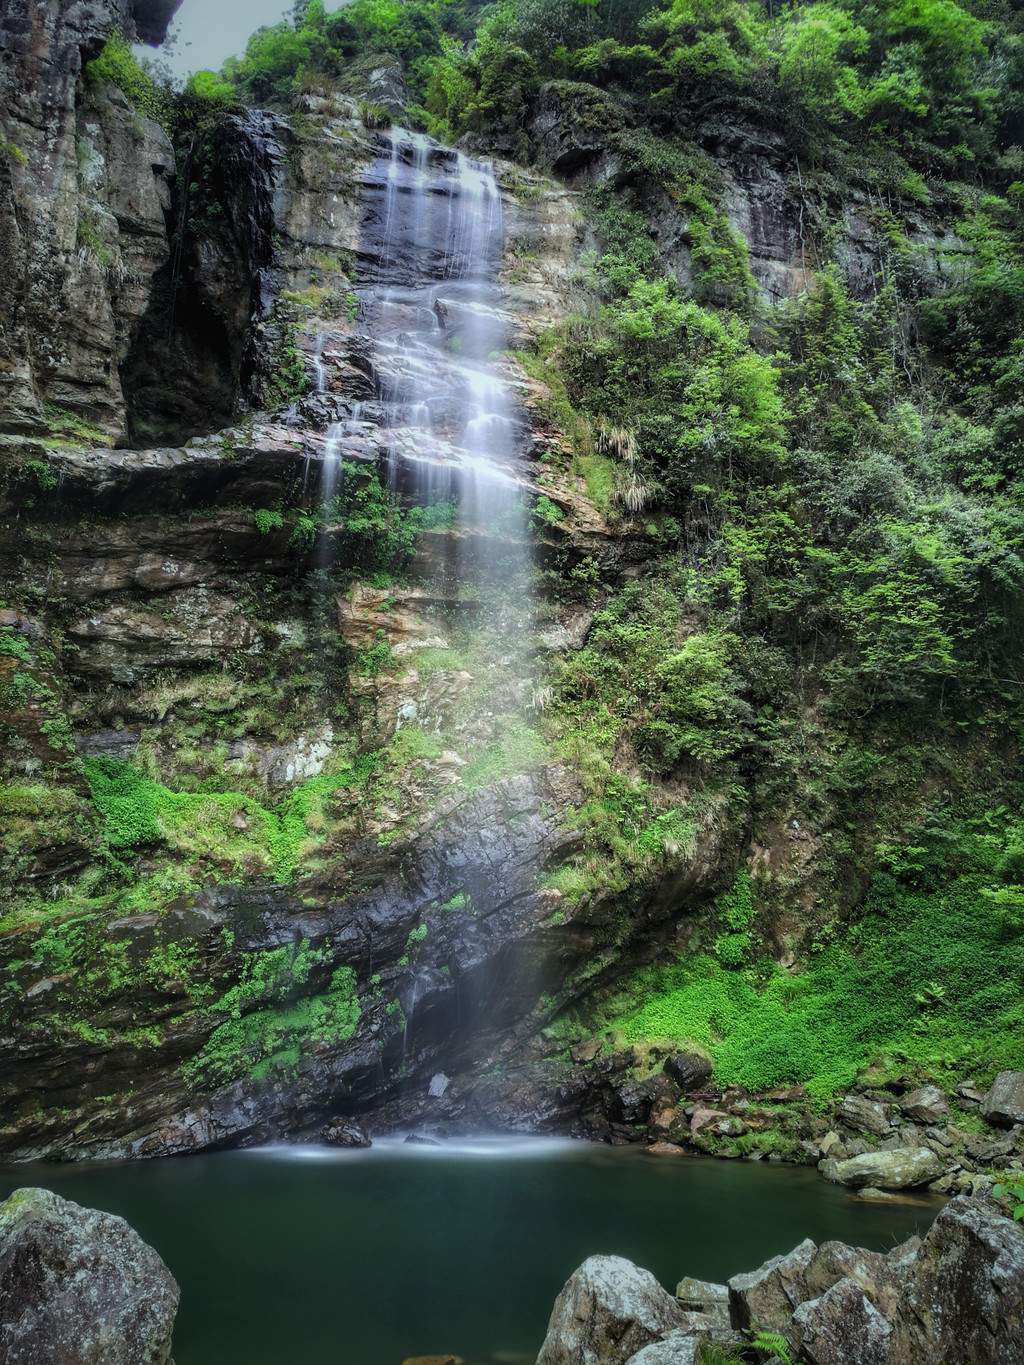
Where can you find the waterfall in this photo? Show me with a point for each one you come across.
(429, 301)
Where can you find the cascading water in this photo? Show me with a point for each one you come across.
(430, 331)
(432, 244)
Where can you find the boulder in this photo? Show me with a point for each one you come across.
(702, 1296)
(607, 1312)
(689, 1070)
(895, 1170)
(769, 1295)
(965, 1292)
(1004, 1101)
(868, 1116)
(842, 1327)
(703, 1119)
(678, 1348)
(79, 1287)
(927, 1105)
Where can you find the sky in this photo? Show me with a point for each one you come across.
(210, 31)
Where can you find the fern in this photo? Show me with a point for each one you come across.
(772, 1344)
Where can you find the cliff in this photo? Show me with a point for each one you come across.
(311, 810)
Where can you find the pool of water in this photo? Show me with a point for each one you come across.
(303, 1254)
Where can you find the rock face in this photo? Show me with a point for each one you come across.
(82, 225)
(895, 1170)
(79, 1287)
(608, 1311)
(1004, 1102)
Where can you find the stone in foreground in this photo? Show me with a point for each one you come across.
(678, 1348)
(607, 1312)
(843, 1327)
(898, 1170)
(79, 1287)
(1004, 1102)
(768, 1296)
(965, 1296)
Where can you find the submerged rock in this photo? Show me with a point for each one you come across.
(607, 1312)
(79, 1287)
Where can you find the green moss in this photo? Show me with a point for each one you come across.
(257, 1043)
(931, 980)
(227, 831)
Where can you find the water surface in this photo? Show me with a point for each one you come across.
(305, 1256)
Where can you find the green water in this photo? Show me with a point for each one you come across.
(301, 1256)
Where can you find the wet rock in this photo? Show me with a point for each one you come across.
(842, 1327)
(869, 1192)
(869, 1116)
(927, 1105)
(689, 1070)
(79, 1287)
(770, 1294)
(434, 1360)
(607, 1312)
(897, 1170)
(664, 1149)
(418, 1140)
(1004, 1101)
(344, 1133)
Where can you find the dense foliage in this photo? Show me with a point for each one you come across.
(931, 978)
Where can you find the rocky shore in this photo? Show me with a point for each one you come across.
(955, 1295)
(892, 1136)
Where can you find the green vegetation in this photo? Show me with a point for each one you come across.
(268, 1025)
(930, 980)
(226, 833)
(1013, 1194)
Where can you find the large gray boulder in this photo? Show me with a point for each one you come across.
(928, 1104)
(964, 1297)
(607, 1312)
(678, 1348)
(79, 1287)
(869, 1116)
(843, 1327)
(769, 1295)
(896, 1170)
(1004, 1101)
